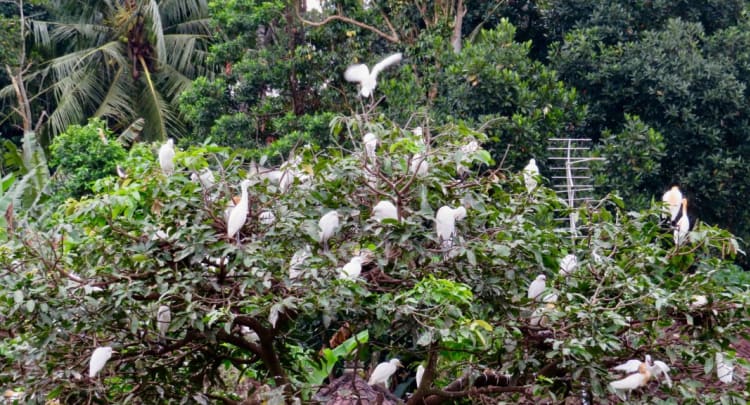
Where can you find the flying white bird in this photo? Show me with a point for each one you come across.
(98, 359)
(328, 224)
(683, 225)
(420, 373)
(163, 318)
(205, 178)
(383, 372)
(445, 224)
(384, 210)
(371, 142)
(166, 157)
(418, 165)
(298, 259)
(633, 381)
(352, 269)
(536, 288)
(530, 174)
(368, 79)
(567, 265)
(724, 369)
(672, 199)
(239, 213)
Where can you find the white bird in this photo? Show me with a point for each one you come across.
(383, 372)
(673, 199)
(420, 373)
(530, 174)
(368, 79)
(633, 381)
(445, 224)
(418, 131)
(724, 369)
(239, 213)
(371, 142)
(683, 225)
(205, 178)
(384, 210)
(661, 368)
(163, 318)
(632, 366)
(298, 259)
(536, 288)
(698, 301)
(568, 264)
(418, 165)
(267, 217)
(166, 157)
(352, 269)
(466, 150)
(539, 317)
(328, 224)
(98, 359)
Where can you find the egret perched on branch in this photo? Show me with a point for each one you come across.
(673, 199)
(530, 174)
(163, 318)
(239, 213)
(166, 157)
(368, 79)
(383, 372)
(683, 225)
(418, 165)
(445, 224)
(352, 269)
(384, 210)
(98, 359)
(536, 288)
(568, 265)
(371, 142)
(420, 373)
(328, 224)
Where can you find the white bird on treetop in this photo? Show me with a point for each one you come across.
(536, 288)
(724, 369)
(445, 224)
(163, 318)
(383, 372)
(568, 265)
(530, 173)
(239, 213)
(328, 224)
(633, 381)
(368, 79)
(673, 199)
(384, 210)
(166, 157)
(683, 225)
(420, 373)
(98, 359)
(371, 142)
(351, 270)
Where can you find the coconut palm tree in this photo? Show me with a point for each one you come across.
(123, 60)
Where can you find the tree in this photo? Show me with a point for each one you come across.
(95, 272)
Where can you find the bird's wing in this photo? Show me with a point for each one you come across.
(662, 368)
(357, 73)
(391, 60)
(628, 383)
(630, 366)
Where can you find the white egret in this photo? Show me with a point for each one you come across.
(383, 372)
(633, 381)
(206, 178)
(724, 369)
(328, 224)
(445, 224)
(683, 225)
(698, 301)
(568, 265)
(418, 165)
(298, 259)
(98, 359)
(166, 157)
(661, 368)
(466, 150)
(267, 217)
(163, 318)
(239, 213)
(420, 373)
(371, 142)
(384, 210)
(352, 269)
(536, 288)
(530, 174)
(673, 199)
(368, 79)
(632, 366)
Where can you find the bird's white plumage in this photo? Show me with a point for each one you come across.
(530, 174)
(383, 372)
(632, 366)
(673, 200)
(98, 359)
(683, 225)
(724, 369)
(631, 382)
(445, 224)
(163, 318)
(420, 374)
(205, 178)
(352, 269)
(166, 157)
(661, 368)
(418, 165)
(568, 265)
(328, 224)
(536, 288)
(366, 78)
(384, 210)
(297, 261)
(698, 301)
(238, 216)
(371, 142)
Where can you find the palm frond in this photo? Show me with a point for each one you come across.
(172, 82)
(40, 30)
(157, 30)
(118, 102)
(65, 65)
(181, 51)
(132, 132)
(92, 34)
(77, 95)
(153, 107)
(174, 11)
(200, 26)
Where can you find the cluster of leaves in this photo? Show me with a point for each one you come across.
(93, 272)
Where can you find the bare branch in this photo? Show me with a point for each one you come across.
(393, 37)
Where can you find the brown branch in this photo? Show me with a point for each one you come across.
(267, 351)
(338, 17)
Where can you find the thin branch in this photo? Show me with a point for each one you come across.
(338, 17)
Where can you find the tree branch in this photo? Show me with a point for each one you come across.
(393, 37)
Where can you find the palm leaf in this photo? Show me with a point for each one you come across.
(118, 103)
(175, 11)
(157, 30)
